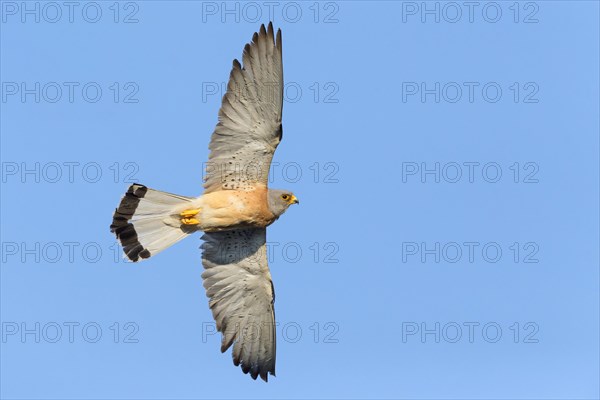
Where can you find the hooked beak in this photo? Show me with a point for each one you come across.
(294, 200)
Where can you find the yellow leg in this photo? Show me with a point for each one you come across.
(187, 217)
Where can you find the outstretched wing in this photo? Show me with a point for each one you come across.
(238, 282)
(249, 128)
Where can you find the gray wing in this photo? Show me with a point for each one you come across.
(249, 129)
(238, 282)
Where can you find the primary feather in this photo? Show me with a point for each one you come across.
(249, 129)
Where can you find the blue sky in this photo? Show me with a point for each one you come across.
(446, 159)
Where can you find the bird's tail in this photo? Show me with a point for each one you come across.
(148, 221)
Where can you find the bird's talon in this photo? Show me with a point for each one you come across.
(187, 217)
(189, 213)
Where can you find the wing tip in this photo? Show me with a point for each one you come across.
(269, 33)
(258, 370)
(278, 40)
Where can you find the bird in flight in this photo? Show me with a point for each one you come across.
(234, 210)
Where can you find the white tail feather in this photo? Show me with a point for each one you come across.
(147, 221)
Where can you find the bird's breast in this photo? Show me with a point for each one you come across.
(234, 209)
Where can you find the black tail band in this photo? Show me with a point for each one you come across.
(123, 228)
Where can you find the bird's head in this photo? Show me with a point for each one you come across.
(280, 200)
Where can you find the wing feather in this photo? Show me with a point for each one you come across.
(249, 128)
(238, 282)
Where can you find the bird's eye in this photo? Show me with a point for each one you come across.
(285, 197)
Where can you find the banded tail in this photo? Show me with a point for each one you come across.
(148, 221)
